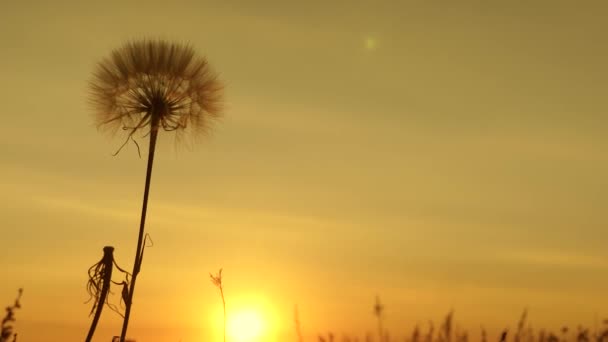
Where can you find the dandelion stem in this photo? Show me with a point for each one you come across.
(140, 239)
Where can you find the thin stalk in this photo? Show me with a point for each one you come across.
(217, 281)
(378, 309)
(140, 239)
(380, 330)
(224, 305)
(296, 319)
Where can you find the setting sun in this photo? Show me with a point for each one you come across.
(245, 326)
(249, 318)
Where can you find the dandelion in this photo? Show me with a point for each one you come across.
(148, 86)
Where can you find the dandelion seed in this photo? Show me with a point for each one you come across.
(149, 85)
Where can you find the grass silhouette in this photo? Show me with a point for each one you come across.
(6, 329)
(378, 312)
(524, 333)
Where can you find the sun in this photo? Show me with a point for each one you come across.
(249, 318)
(246, 325)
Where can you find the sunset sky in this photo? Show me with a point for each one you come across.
(439, 154)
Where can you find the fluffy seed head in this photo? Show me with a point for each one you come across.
(153, 84)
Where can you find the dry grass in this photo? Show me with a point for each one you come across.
(6, 330)
(447, 333)
(217, 281)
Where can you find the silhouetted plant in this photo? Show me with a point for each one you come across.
(6, 330)
(582, 335)
(530, 334)
(602, 336)
(415, 334)
(146, 86)
(98, 287)
(564, 331)
(217, 281)
(552, 338)
(430, 333)
(445, 333)
(503, 335)
(296, 321)
(330, 337)
(379, 313)
(519, 334)
(450, 330)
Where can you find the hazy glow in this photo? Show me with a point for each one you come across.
(246, 325)
(370, 43)
(250, 317)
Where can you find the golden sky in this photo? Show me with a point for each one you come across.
(438, 154)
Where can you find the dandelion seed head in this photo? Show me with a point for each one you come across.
(154, 84)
